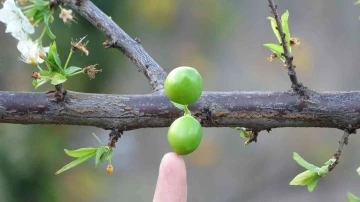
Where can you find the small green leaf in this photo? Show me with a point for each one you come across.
(304, 163)
(109, 154)
(179, 106)
(39, 82)
(238, 128)
(57, 60)
(357, 2)
(311, 185)
(323, 170)
(45, 73)
(99, 153)
(358, 170)
(50, 59)
(80, 152)
(71, 70)
(75, 163)
(273, 26)
(276, 49)
(304, 178)
(58, 79)
(98, 139)
(52, 67)
(34, 82)
(352, 197)
(285, 27)
(244, 134)
(41, 5)
(47, 16)
(53, 57)
(49, 33)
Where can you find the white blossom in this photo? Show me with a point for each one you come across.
(31, 52)
(16, 22)
(67, 16)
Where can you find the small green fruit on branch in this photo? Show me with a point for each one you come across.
(183, 86)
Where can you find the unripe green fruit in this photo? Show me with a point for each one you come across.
(185, 135)
(183, 85)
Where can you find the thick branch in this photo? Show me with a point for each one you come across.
(120, 40)
(288, 57)
(257, 110)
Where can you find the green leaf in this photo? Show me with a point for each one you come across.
(304, 178)
(58, 79)
(273, 26)
(352, 197)
(311, 185)
(179, 106)
(34, 83)
(71, 70)
(304, 163)
(99, 153)
(244, 134)
(109, 154)
(52, 67)
(41, 5)
(49, 33)
(75, 163)
(357, 2)
(53, 59)
(238, 128)
(45, 73)
(38, 82)
(323, 170)
(80, 152)
(276, 49)
(358, 170)
(285, 27)
(47, 17)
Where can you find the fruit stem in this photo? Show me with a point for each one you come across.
(186, 110)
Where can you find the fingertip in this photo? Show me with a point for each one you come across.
(172, 183)
(172, 160)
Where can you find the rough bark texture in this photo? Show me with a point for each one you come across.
(259, 110)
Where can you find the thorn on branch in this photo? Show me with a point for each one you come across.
(138, 40)
(343, 141)
(114, 135)
(109, 44)
(80, 2)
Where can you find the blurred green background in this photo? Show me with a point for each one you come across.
(223, 40)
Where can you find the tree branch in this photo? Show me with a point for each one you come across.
(296, 86)
(256, 110)
(120, 40)
(343, 141)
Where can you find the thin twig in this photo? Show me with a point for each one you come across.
(296, 86)
(253, 137)
(121, 40)
(114, 136)
(343, 141)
